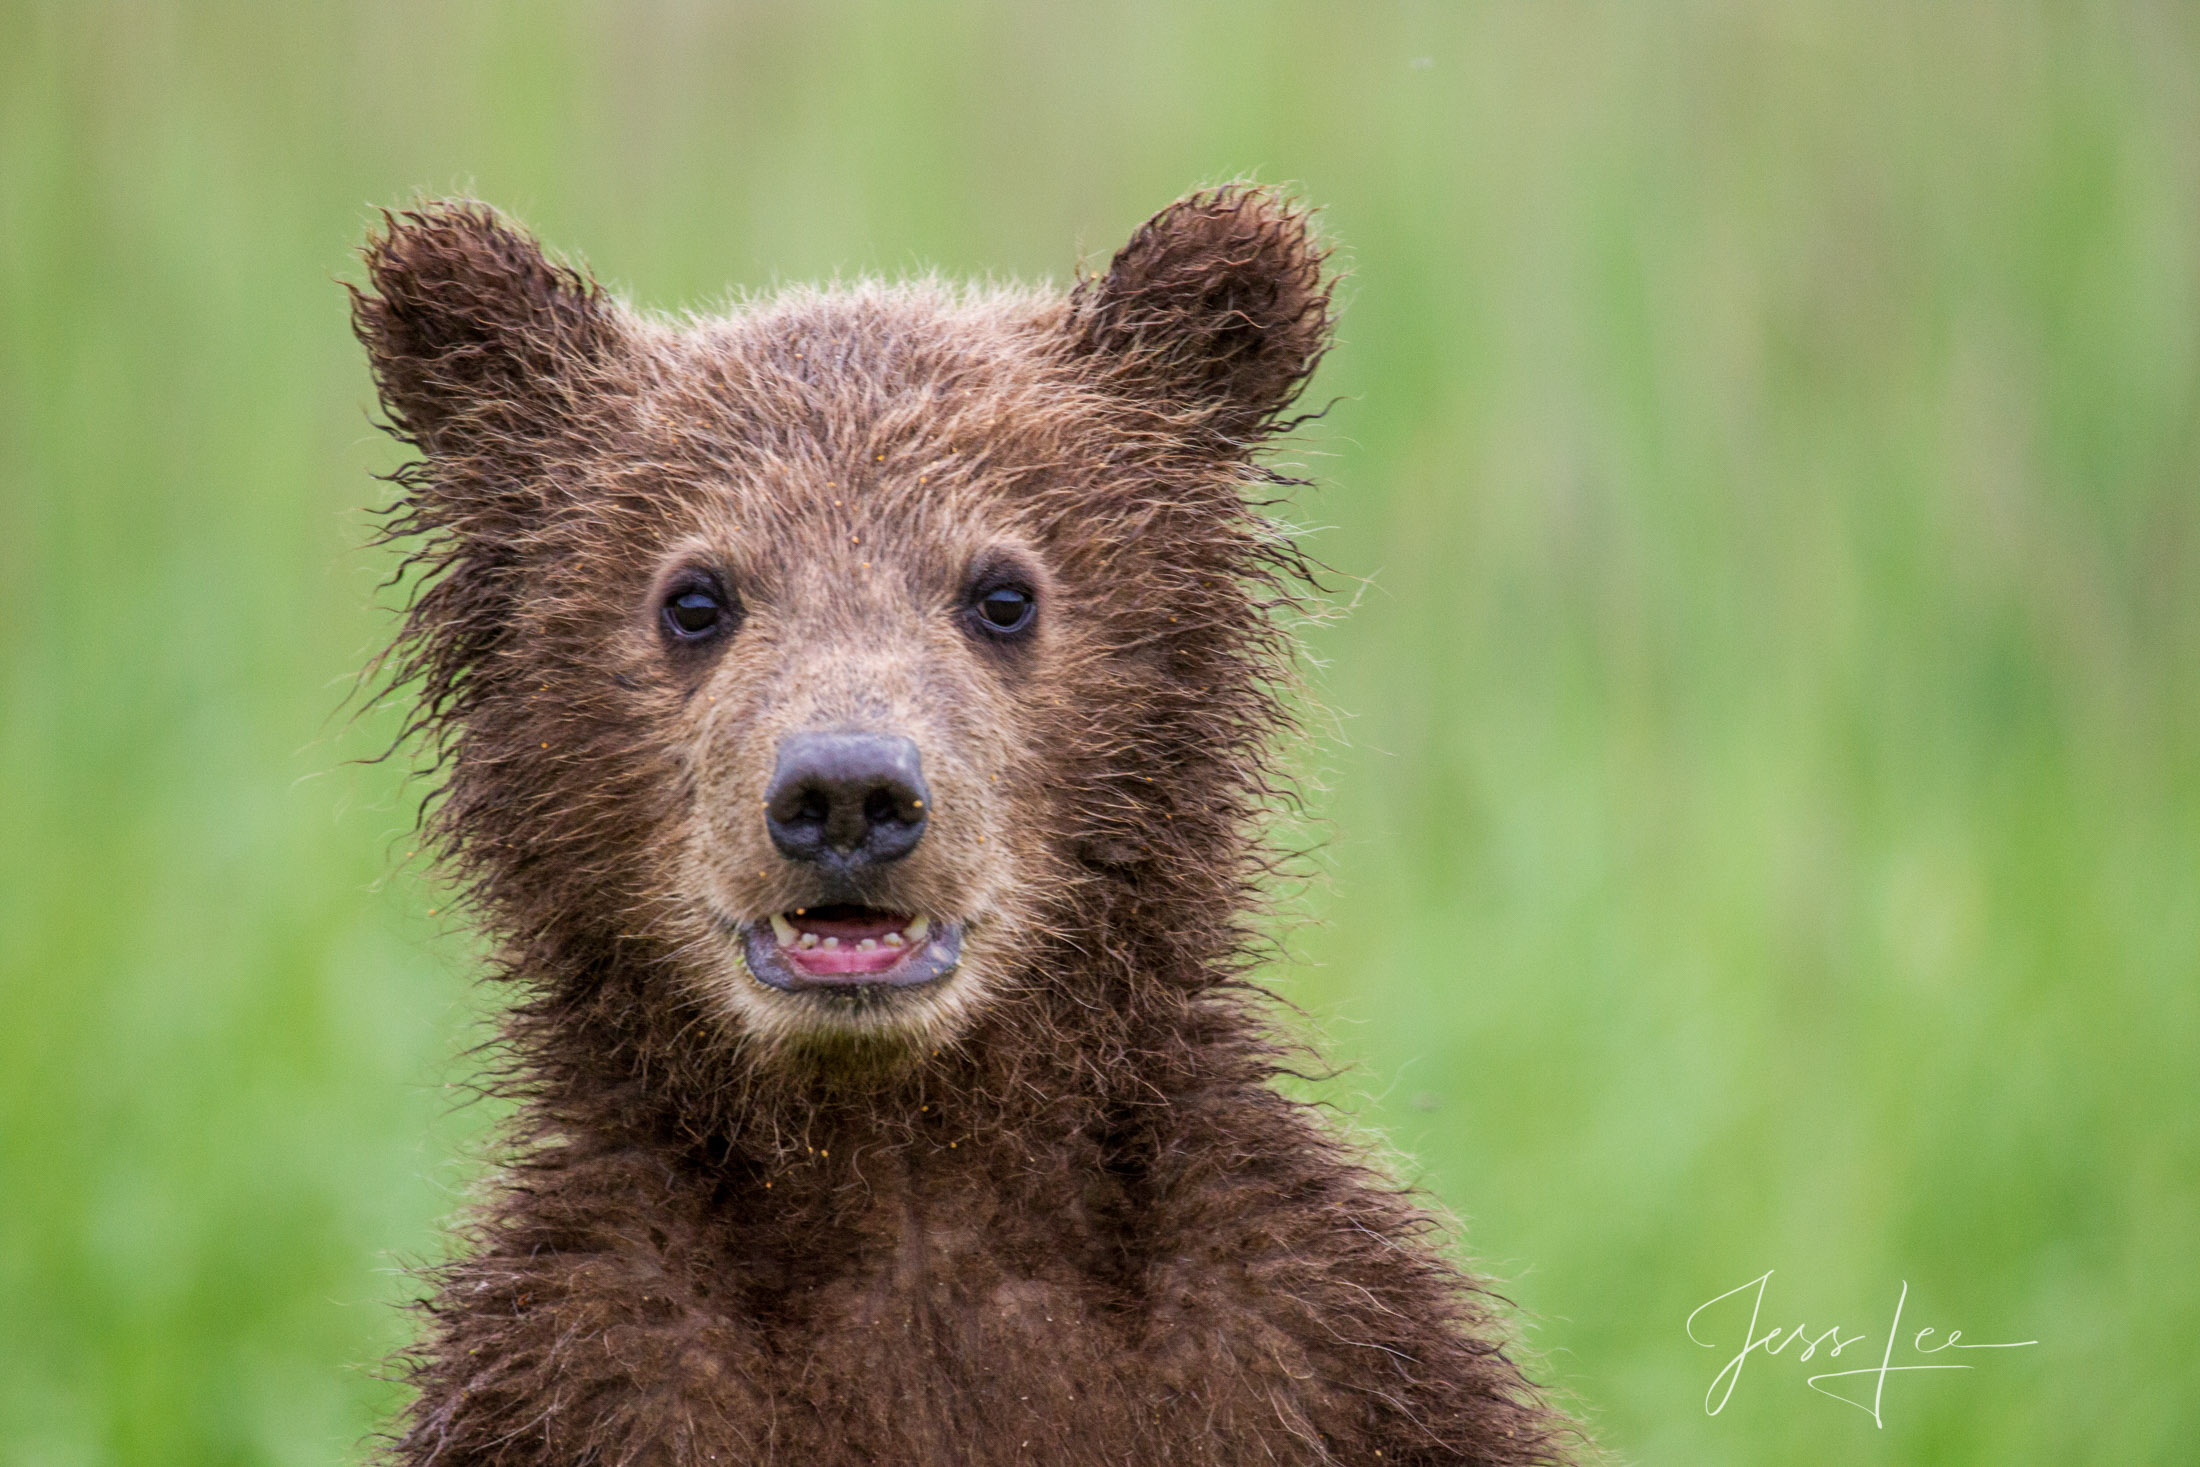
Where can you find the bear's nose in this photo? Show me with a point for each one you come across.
(846, 800)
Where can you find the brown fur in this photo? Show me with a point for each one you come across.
(1050, 1209)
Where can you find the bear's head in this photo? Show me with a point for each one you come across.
(861, 659)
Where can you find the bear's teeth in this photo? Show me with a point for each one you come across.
(830, 942)
(916, 930)
(892, 939)
(782, 929)
(868, 945)
(809, 940)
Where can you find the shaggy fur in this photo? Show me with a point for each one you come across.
(1050, 1208)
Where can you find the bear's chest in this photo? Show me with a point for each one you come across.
(974, 1290)
(972, 1336)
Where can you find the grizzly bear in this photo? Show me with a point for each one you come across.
(855, 718)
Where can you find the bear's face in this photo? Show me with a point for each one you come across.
(852, 648)
(828, 655)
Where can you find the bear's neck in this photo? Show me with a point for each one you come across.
(1101, 1034)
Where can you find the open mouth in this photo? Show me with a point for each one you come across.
(846, 948)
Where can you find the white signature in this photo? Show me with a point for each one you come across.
(1772, 1343)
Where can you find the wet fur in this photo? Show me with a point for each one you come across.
(1056, 1213)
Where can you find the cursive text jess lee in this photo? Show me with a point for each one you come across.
(1776, 1340)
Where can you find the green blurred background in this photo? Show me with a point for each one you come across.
(1763, 800)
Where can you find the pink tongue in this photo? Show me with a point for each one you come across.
(850, 927)
(824, 962)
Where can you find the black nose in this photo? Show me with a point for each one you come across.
(845, 800)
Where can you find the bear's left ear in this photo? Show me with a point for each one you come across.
(1217, 310)
(474, 334)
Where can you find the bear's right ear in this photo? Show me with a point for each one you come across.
(1216, 312)
(472, 331)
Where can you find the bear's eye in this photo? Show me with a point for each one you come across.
(693, 613)
(1006, 610)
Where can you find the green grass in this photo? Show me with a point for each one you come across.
(1765, 826)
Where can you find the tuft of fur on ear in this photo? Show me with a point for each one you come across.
(469, 326)
(1217, 309)
(499, 366)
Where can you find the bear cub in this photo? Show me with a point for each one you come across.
(854, 717)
